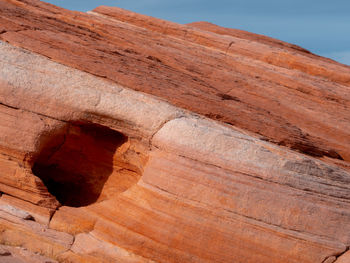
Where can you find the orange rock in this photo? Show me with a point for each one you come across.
(344, 258)
(129, 138)
(250, 84)
(9, 254)
(33, 236)
(72, 220)
(39, 214)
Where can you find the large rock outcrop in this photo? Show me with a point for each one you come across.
(125, 138)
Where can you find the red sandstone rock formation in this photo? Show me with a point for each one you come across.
(125, 138)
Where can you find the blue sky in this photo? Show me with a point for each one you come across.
(321, 26)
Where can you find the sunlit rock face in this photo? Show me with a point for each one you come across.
(125, 138)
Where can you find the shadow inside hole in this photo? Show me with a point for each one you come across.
(75, 164)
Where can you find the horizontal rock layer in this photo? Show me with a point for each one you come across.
(94, 170)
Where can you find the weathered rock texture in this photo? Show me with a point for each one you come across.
(125, 138)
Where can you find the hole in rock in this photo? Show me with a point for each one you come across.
(76, 162)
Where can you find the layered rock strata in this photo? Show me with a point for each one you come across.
(125, 138)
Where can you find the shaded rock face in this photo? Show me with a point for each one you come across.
(125, 138)
(75, 165)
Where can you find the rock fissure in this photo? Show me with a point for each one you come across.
(33, 112)
(341, 254)
(334, 257)
(19, 30)
(228, 47)
(8, 106)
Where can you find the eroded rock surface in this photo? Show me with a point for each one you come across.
(125, 138)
